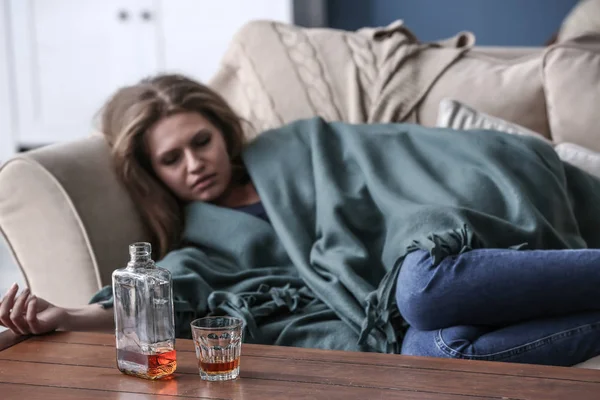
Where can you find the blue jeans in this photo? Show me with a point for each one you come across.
(526, 306)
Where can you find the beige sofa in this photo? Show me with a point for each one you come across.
(68, 221)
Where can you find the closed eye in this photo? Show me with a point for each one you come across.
(201, 140)
(169, 159)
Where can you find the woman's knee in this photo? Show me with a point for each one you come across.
(453, 342)
(415, 295)
(420, 343)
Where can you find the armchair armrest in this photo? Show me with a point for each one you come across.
(67, 219)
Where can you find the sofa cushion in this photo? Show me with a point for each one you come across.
(571, 76)
(453, 114)
(508, 88)
(456, 115)
(582, 19)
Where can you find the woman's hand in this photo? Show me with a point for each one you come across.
(26, 314)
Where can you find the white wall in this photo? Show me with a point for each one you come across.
(7, 143)
(196, 33)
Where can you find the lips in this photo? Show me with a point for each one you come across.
(203, 182)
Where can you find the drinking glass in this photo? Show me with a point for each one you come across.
(218, 343)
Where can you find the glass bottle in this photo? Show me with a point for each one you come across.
(144, 318)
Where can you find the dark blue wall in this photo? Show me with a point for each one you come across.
(494, 22)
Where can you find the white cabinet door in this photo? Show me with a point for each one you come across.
(70, 55)
(8, 144)
(196, 33)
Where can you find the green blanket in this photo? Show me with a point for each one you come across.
(346, 204)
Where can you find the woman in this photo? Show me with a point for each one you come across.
(308, 232)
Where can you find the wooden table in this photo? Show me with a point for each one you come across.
(82, 366)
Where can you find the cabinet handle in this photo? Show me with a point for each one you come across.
(123, 15)
(146, 15)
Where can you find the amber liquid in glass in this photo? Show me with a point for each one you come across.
(219, 367)
(148, 366)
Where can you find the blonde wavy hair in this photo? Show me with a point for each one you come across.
(125, 119)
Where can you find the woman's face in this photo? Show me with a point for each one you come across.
(189, 155)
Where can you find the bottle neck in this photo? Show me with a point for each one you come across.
(140, 256)
(141, 262)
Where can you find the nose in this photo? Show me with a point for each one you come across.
(194, 162)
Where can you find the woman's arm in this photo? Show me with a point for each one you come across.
(26, 314)
(92, 317)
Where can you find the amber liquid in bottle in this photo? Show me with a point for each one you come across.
(151, 366)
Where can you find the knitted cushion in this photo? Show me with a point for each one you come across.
(274, 73)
